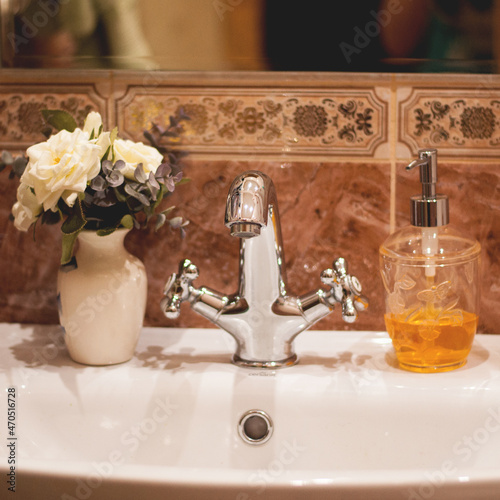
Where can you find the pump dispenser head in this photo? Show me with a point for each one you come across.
(429, 209)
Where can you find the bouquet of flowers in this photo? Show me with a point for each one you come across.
(92, 179)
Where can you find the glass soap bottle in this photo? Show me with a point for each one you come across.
(430, 272)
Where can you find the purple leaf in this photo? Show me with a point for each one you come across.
(135, 194)
(119, 165)
(107, 167)
(152, 181)
(115, 178)
(139, 174)
(163, 171)
(98, 183)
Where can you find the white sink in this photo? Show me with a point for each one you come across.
(348, 423)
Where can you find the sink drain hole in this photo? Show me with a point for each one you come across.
(255, 427)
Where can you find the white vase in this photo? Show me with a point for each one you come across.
(102, 300)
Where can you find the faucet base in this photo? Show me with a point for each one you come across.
(265, 364)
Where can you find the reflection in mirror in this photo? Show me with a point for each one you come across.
(366, 35)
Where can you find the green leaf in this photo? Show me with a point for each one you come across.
(76, 221)
(68, 242)
(105, 155)
(105, 231)
(119, 195)
(127, 221)
(160, 220)
(159, 196)
(168, 210)
(184, 180)
(50, 218)
(59, 119)
(113, 135)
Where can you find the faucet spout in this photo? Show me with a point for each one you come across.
(260, 315)
(252, 215)
(247, 204)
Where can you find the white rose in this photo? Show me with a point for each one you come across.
(104, 142)
(26, 209)
(93, 123)
(61, 167)
(133, 153)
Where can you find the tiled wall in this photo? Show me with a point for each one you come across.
(334, 144)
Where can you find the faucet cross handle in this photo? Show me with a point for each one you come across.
(346, 290)
(178, 289)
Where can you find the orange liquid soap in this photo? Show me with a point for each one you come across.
(434, 341)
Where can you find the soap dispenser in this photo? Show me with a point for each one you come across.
(430, 272)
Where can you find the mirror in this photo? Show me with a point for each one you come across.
(366, 35)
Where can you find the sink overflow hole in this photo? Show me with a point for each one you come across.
(255, 427)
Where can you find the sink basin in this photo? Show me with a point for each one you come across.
(347, 423)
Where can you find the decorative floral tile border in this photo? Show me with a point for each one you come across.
(325, 122)
(20, 119)
(324, 118)
(458, 122)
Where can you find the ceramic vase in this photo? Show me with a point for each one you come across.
(102, 299)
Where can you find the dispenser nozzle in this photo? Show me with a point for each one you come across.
(428, 171)
(429, 209)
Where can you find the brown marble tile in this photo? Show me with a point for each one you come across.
(28, 267)
(327, 210)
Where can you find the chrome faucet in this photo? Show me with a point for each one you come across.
(260, 315)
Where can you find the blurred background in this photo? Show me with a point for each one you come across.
(275, 35)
